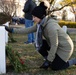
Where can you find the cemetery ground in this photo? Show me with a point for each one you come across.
(33, 59)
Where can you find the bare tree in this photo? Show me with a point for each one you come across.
(9, 6)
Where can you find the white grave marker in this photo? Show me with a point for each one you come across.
(2, 50)
(64, 28)
(6, 33)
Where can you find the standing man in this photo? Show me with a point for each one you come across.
(28, 7)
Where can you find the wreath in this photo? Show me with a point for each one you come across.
(15, 59)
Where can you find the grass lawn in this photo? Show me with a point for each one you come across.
(33, 59)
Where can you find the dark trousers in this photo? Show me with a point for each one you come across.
(58, 63)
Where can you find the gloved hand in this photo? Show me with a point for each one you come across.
(46, 64)
(9, 29)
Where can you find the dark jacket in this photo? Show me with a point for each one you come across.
(28, 7)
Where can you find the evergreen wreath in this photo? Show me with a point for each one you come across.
(15, 59)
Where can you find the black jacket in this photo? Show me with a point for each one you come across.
(28, 7)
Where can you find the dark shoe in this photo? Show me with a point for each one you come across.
(33, 41)
(28, 42)
(45, 65)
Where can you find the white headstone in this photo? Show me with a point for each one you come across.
(64, 28)
(6, 33)
(2, 50)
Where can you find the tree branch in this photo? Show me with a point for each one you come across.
(51, 1)
(69, 4)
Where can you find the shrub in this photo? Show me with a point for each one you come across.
(68, 24)
(15, 59)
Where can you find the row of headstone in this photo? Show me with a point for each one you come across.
(3, 42)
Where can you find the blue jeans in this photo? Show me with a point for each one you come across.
(29, 23)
